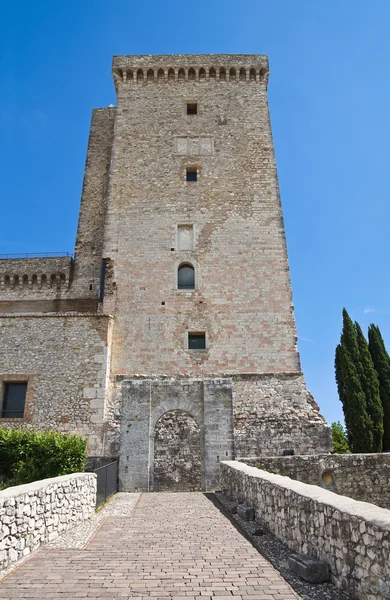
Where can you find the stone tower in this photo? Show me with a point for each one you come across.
(181, 248)
(193, 184)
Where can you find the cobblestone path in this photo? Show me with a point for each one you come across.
(175, 546)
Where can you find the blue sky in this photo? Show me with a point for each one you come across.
(329, 95)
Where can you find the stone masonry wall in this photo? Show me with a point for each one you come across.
(242, 296)
(38, 512)
(275, 412)
(352, 537)
(177, 453)
(64, 359)
(364, 477)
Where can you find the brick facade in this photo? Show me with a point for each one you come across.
(136, 205)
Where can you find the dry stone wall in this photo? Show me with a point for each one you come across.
(364, 477)
(352, 537)
(38, 512)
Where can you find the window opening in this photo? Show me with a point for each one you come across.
(191, 174)
(192, 108)
(14, 401)
(186, 277)
(196, 341)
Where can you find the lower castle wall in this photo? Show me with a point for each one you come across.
(364, 477)
(64, 358)
(275, 412)
(352, 537)
(38, 512)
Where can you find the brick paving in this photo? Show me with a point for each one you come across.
(175, 546)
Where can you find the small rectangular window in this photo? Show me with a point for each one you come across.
(192, 108)
(196, 341)
(14, 401)
(185, 237)
(191, 174)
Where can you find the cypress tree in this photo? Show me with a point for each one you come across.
(381, 361)
(370, 385)
(357, 421)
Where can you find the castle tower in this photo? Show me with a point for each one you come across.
(198, 272)
(169, 340)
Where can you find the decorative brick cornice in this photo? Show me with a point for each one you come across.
(182, 68)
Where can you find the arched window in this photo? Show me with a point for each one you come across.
(222, 74)
(191, 74)
(150, 75)
(160, 74)
(171, 75)
(140, 75)
(212, 73)
(263, 73)
(232, 74)
(130, 75)
(242, 74)
(186, 277)
(181, 74)
(202, 73)
(252, 75)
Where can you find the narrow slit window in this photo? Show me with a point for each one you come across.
(197, 341)
(191, 174)
(192, 108)
(14, 401)
(186, 277)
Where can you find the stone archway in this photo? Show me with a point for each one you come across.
(177, 453)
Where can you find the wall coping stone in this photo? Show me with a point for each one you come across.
(35, 486)
(364, 510)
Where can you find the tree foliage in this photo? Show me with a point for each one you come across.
(370, 386)
(349, 371)
(27, 456)
(381, 361)
(339, 439)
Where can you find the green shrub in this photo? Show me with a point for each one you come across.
(27, 456)
(339, 439)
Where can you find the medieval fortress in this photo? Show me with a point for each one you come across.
(169, 339)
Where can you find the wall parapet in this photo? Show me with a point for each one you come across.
(364, 477)
(190, 67)
(352, 537)
(37, 512)
(39, 275)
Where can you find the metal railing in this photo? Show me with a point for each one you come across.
(36, 255)
(107, 482)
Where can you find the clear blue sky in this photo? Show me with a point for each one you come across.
(329, 96)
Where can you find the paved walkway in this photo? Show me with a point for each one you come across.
(176, 546)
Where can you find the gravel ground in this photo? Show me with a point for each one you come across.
(277, 553)
(120, 505)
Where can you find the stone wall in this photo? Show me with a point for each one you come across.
(364, 477)
(352, 537)
(144, 404)
(177, 453)
(38, 512)
(275, 412)
(64, 358)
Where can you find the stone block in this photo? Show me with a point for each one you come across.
(246, 512)
(310, 569)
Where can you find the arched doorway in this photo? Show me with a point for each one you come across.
(177, 453)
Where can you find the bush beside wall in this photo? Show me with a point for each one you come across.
(27, 456)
